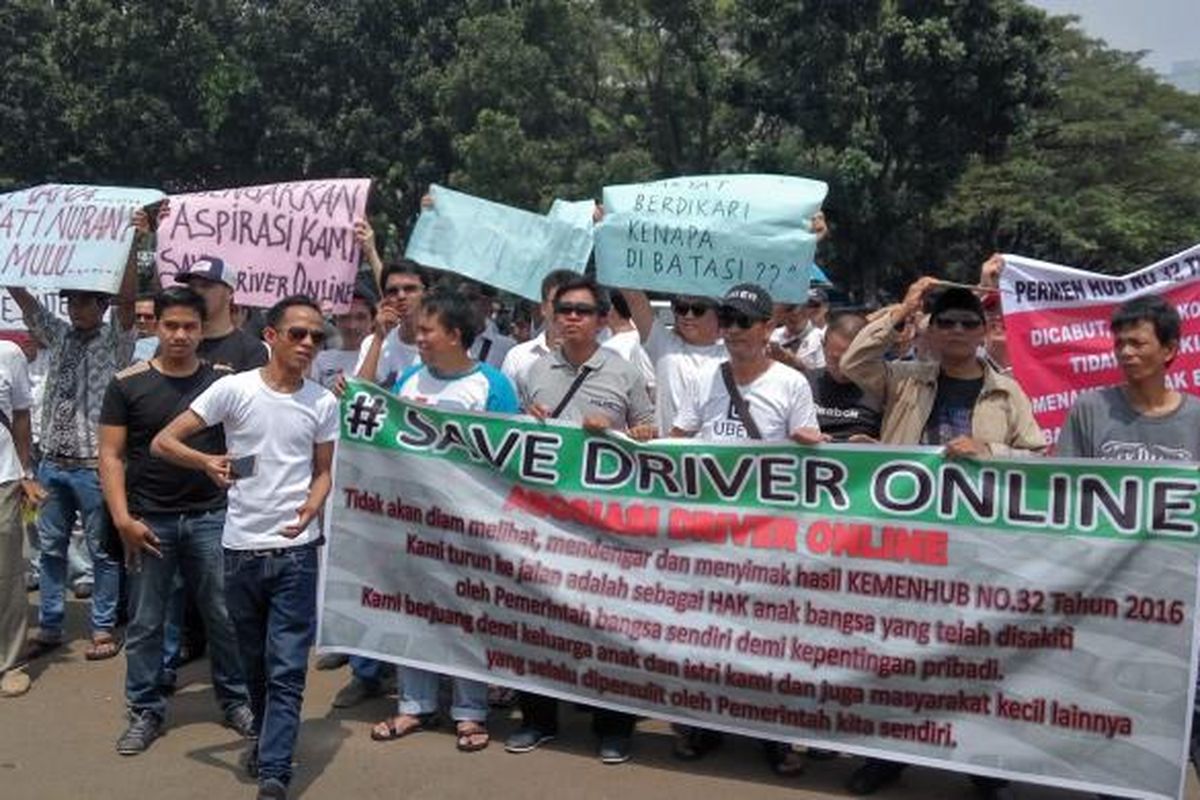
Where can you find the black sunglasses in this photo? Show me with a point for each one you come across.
(298, 333)
(731, 318)
(567, 309)
(944, 324)
(682, 309)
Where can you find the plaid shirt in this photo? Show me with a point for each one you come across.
(80, 366)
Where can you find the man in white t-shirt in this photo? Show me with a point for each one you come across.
(352, 326)
(280, 430)
(778, 399)
(16, 484)
(392, 348)
(799, 340)
(626, 341)
(692, 344)
(522, 356)
(772, 403)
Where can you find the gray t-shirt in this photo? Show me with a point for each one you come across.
(1102, 424)
(613, 388)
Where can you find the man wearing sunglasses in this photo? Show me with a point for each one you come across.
(957, 402)
(280, 430)
(748, 397)
(583, 383)
(691, 345)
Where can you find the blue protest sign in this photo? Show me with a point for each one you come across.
(496, 244)
(60, 236)
(703, 234)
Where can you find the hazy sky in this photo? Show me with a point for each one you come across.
(1168, 29)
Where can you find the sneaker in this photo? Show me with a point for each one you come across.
(272, 789)
(143, 729)
(241, 719)
(526, 740)
(355, 692)
(14, 683)
(327, 661)
(615, 749)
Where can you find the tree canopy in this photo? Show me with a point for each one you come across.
(945, 129)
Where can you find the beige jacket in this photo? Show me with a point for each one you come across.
(1002, 417)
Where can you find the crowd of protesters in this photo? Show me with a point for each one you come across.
(195, 456)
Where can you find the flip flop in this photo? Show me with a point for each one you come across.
(103, 646)
(388, 731)
(468, 730)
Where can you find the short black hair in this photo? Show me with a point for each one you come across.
(144, 296)
(583, 283)
(620, 304)
(367, 300)
(275, 313)
(553, 280)
(455, 312)
(847, 324)
(404, 266)
(1153, 309)
(179, 296)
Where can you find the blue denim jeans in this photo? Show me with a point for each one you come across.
(272, 600)
(73, 490)
(367, 670)
(191, 545)
(419, 695)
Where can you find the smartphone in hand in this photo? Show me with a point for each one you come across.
(243, 467)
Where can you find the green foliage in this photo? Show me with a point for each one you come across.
(946, 128)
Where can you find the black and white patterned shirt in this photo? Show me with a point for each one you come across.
(80, 366)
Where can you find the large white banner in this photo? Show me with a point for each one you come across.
(1029, 619)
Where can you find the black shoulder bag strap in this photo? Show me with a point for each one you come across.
(574, 387)
(739, 402)
(484, 349)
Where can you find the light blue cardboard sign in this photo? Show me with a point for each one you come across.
(61, 236)
(496, 244)
(702, 235)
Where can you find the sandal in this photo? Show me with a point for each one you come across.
(693, 744)
(389, 730)
(785, 760)
(472, 736)
(104, 645)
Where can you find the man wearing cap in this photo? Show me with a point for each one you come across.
(224, 344)
(958, 402)
(748, 397)
(84, 354)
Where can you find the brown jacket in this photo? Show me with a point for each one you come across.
(1002, 417)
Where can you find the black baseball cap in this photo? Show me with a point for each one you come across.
(749, 299)
(955, 298)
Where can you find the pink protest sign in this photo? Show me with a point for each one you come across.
(284, 238)
(1057, 323)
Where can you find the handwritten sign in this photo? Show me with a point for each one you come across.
(704, 234)
(64, 236)
(496, 244)
(284, 238)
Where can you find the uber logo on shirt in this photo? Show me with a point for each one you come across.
(732, 425)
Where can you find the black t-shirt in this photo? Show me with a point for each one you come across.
(952, 409)
(143, 401)
(844, 409)
(237, 350)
